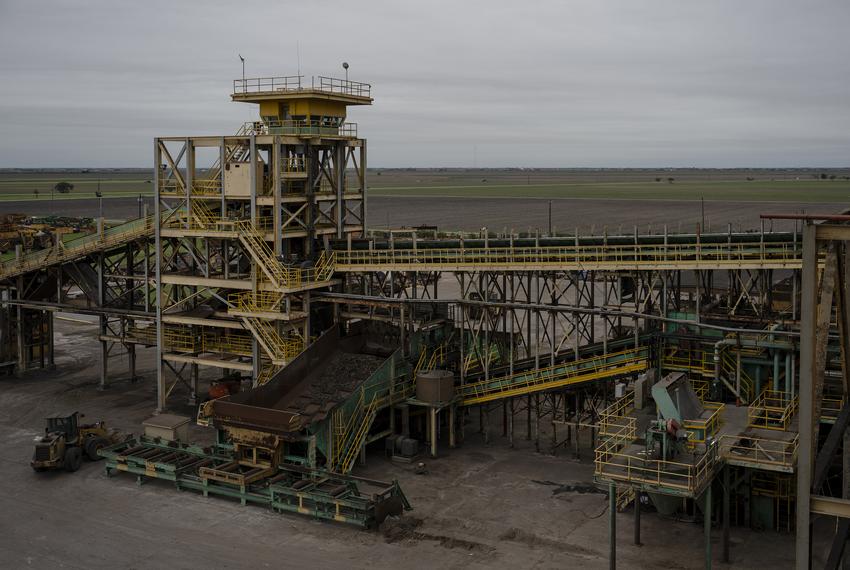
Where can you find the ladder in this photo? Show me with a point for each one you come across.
(280, 350)
(356, 437)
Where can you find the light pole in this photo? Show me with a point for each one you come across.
(345, 67)
(99, 202)
(550, 218)
(140, 206)
(244, 87)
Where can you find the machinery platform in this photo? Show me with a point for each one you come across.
(284, 488)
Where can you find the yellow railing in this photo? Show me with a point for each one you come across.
(701, 429)
(700, 361)
(559, 375)
(625, 496)
(344, 428)
(171, 186)
(349, 435)
(293, 164)
(611, 464)
(690, 255)
(267, 372)
(79, 247)
(228, 343)
(772, 410)
(700, 388)
(279, 348)
(281, 275)
(256, 301)
(729, 367)
(426, 362)
(471, 360)
(614, 420)
(353, 448)
(761, 451)
(206, 187)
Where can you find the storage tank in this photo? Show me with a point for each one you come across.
(435, 386)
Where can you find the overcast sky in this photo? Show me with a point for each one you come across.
(589, 83)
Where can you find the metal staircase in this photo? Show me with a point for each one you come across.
(267, 372)
(236, 153)
(279, 349)
(351, 435)
(282, 277)
(728, 375)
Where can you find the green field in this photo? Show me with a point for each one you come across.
(16, 186)
(727, 186)
(723, 190)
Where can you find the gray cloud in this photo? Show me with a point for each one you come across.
(549, 83)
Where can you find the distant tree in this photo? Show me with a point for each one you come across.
(63, 187)
(658, 179)
(823, 175)
(832, 176)
(35, 191)
(670, 180)
(750, 178)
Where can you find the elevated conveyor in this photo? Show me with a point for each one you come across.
(601, 367)
(778, 250)
(79, 248)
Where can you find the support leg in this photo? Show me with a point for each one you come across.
(131, 354)
(193, 396)
(452, 422)
(432, 417)
(104, 355)
(637, 518)
(726, 506)
(612, 527)
(707, 527)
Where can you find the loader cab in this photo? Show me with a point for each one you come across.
(66, 424)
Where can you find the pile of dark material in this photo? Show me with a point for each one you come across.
(338, 379)
(341, 376)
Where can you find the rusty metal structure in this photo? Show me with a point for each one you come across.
(257, 262)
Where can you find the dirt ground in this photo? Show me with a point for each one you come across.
(479, 506)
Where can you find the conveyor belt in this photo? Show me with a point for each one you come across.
(286, 488)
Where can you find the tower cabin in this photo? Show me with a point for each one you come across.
(291, 107)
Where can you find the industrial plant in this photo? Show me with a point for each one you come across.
(704, 370)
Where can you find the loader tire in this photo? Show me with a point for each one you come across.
(93, 444)
(73, 459)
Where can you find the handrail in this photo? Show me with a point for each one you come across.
(779, 254)
(612, 464)
(702, 429)
(65, 251)
(583, 370)
(294, 83)
(297, 128)
(614, 421)
(759, 450)
(267, 84)
(353, 447)
(772, 410)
